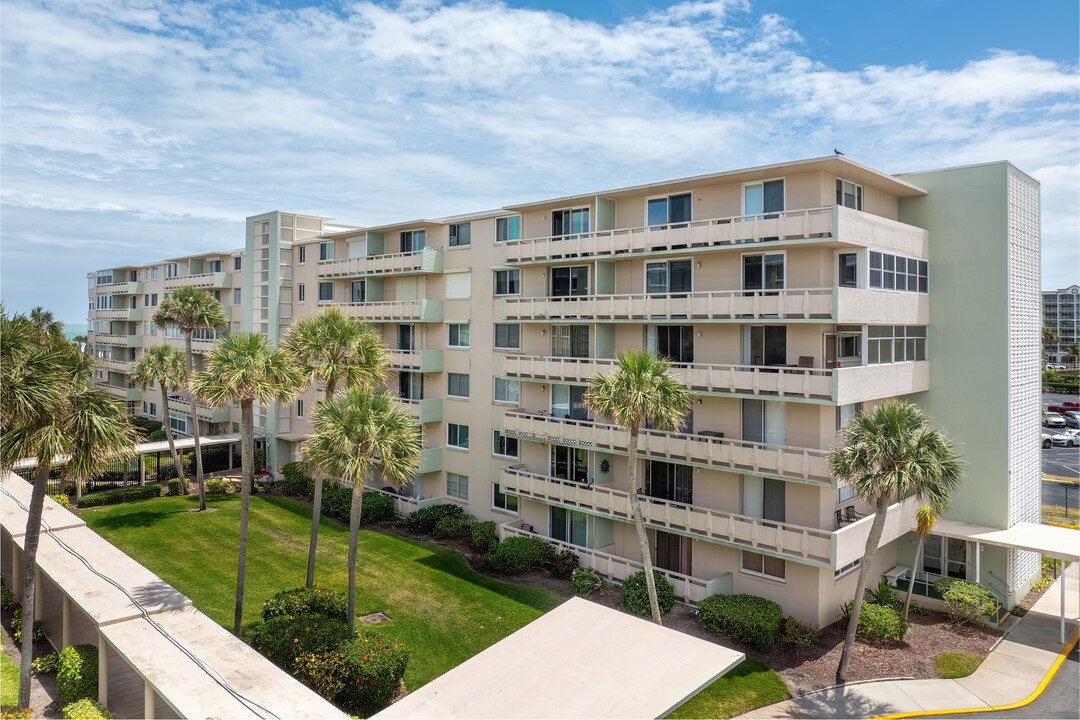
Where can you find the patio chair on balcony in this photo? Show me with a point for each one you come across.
(806, 361)
(850, 515)
(840, 518)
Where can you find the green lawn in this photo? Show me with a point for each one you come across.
(9, 681)
(441, 609)
(956, 664)
(749, 685)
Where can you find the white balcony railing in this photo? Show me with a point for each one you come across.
(426, 260)
(783, 461)
(394, 310)
(721, 305)
(202, 280)
(802, 544)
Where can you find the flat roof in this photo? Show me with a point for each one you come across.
(581, 660)
(144, 449)
(1058, 542)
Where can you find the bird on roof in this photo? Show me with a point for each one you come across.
(837, 151)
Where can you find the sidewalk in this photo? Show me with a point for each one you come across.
(1009, 674)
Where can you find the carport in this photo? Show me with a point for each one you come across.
(581, 660)
(1057, 542)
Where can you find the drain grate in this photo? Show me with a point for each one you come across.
(374, 618)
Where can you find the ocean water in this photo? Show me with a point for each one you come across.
(73, 329)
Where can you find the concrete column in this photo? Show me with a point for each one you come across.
(103, 670)
(1061, 580)
(978, 557)
(149, 700)
(65, 633)
(16, 569)
(142, 469)
(39, 596)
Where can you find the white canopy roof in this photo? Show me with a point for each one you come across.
(1058, 542)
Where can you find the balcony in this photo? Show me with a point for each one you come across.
(394, 310)
(687, 588)
(734, 306)
(120, 288)
(857, 306)
(130, 314)
(127, 394)
(416, 360)
(198, 345)
(121, 340)
(801, 544)
(803, 383)
(120, 366)
(428, 260)
(794, 463)
(209, 413)
(425, 411)
(850, 540)
(873, 382)
(217, 280)
(430, 461)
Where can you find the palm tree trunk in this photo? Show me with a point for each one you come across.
(195, 423)
(354, 536)
(316, 513)
(247, 461)
(639, 526)
(78, 490)
(30, 546)
(881, 509)
(172, 444)
(914, 569)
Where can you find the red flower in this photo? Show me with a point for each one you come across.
(372, 683)
(365, 657)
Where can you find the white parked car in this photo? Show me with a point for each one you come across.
(1069, 438)
(1055, 368)
(1047, 440)
(1072, 418)
(1053, 420)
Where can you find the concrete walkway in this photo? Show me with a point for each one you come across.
(1009, 674)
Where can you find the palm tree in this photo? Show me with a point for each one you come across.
(640, 390)
(163, 365)
(243, 368)
(1049, 337)
(336, 349)
(188, 308)
(889, 454)
(47, 410)
(1072, 352)
(46, 322)
(355, 432)
(925, 517)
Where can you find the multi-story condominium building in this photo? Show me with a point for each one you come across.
(788, 297)
(1059, 309)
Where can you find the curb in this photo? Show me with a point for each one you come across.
(1026, 701)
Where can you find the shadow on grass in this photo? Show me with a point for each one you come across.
(150, 512)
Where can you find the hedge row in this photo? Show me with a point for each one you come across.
(77, 674)
(115, 497)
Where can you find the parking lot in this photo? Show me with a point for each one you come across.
(1061, 461)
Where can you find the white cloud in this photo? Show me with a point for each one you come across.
(217, 110)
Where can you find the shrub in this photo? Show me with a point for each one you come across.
(17, 627)
(284, 638)
(61, 499)
(157, 436)
(14, 713)
(374, 667)
(322, 672)
(585, 581)
(375, 507)
(884, 595)
(453, 526)
(563, 564)
(115, 497)
(304, 601)
(965, 602)
(46, 664)
(337, 502)
(294, 480)
(517, 554)
(484, 536)
(799, 635)
(86, 709)
(175, 488)
(70, 489)
(425, 519)
(77, 674)
(218, 486)
(7, 598)
(880, 623)
(747, 618)
(635, 594)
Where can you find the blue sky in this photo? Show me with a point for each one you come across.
(135, 130)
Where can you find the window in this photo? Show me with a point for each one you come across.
(763, 197)
(508, 282)
(848, 194)
(406, 335)
(299, 408)
(458, 335)
(217, 295)
(153, 299)
(759, 564)
(848, 269)
(411, 385)
(764, 345)
(501, 500)
(178, 423)
(841, 571)
(567, 281)
(326, 251)
(300, 292)
(668, 277)
(326, 291)
(507, 336)
(457, 436)
(104, 278)
(845, 413)
(668, 481)
(146, 300)
(668, 210)
(895, 343)
(154, 273)
(460, 235)
(457, 385)
(570, 463)
(895, 272)
(763, 272)
(569, 526)
(568, 401)
(238, 263)
(570, 341)
(507, 391)
(457, 486)
(504, 446)
(675, 342)
(844, 493)
(172, 270)
(301, 256)
(358, 291)
(413, 240)
(763, 498)
(508, 228)
(153, 409)
(945, 557)
(566, 222)
(237, 296)
(213, 266)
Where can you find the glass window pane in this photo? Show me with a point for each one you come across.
(658, 212)
(753, 199)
